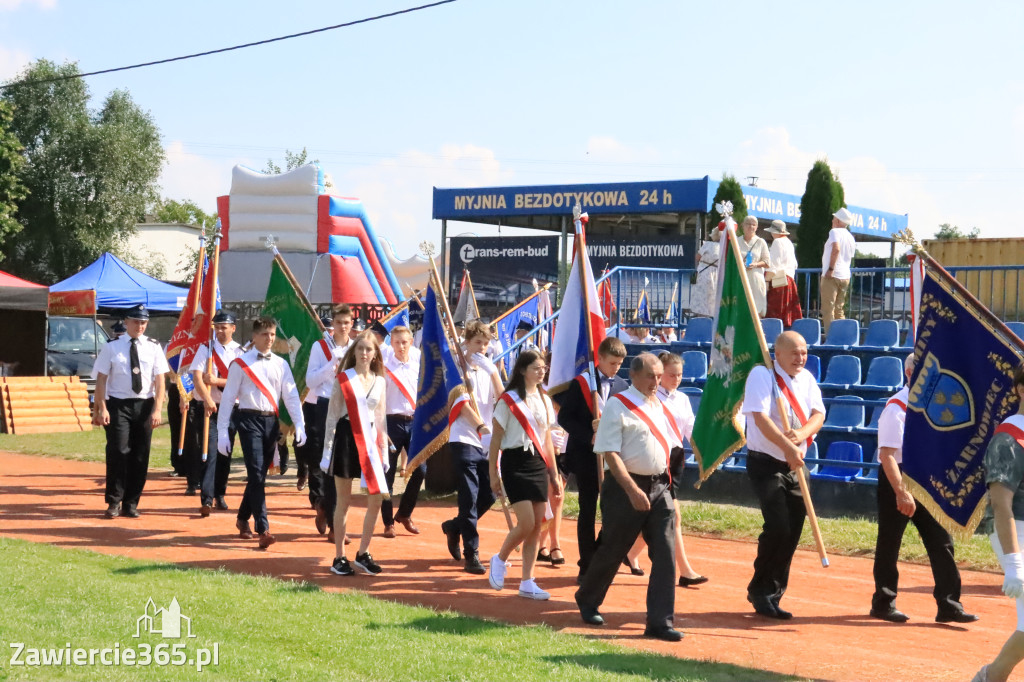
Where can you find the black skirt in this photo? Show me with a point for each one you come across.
(345, 455)
(525, 476)
(676, 467)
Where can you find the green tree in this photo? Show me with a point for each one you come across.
(292, 161)
(89, 173)
(728, 190)
(187, 212)
(12, 190)
(823, 196)
(947, 231)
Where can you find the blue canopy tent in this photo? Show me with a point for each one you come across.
(118, 285)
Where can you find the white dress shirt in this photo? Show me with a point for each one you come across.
(847, 248)
(321, 370)
(891, 421)
(678, 404)
(226, 353)
(623, 432)
(338, 408)
(275, 374)
(409, 374)
(515, 436)
(114, 361)
(759, 396)
(463, 431)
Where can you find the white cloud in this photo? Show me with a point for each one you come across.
(11, 5)
(189, 176)
(12, 62)
(606, 149)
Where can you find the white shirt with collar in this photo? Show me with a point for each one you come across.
(114, 361)
(515, 436)
(678, 404)
(623, 432)
(891, 423)
(847, 249)
(760, 396)
(275, 374)
(321, 370)
(338, 408)
(463, 431)
(409, 374)
(226, 353)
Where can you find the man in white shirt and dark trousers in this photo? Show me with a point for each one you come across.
(401, 374)
(321, 373)
(635, 439)
(129, 397)
(773, 457)
(896, 506)
(209, 378)
(835, 268)
(259, 379)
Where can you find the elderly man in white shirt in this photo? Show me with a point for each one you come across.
(835, 268)
(775, 451)
(636, 439)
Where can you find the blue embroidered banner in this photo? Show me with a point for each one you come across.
(506, 327)
(959, 392)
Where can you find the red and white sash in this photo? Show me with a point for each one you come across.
(895, 400)
(326, 349)
(258, 380)
(798, 408)
(402, 387)
(364, 433)
(588, 393)
(524, 415)
(218, 362)
(457, 408)
(673, 422)
(1014, 426)
(656, 431)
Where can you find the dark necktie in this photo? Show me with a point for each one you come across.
(136, 371)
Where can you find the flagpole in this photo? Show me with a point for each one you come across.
(199, 296)
(415, 296)
(581, 253)
(213, 306)
(801, 473)
(394, 311)
(469, 281)
(526, 300)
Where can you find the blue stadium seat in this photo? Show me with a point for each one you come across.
(841, 451)
(813, 366)
(843, 371)
(876, 412)
(869, 476)
(1017, 328)
(697, 333)
(844, 334)
(809, 328)
(885, 372)
(694, 394)
(772, 327)
(883, 334)
(812, 454)
(695, 367)
(846, 413)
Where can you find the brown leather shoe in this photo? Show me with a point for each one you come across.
(320, 521)
(300, 484)
(409, 525)
(205, 510)
(244, 531)
(389, 531)
(266, 540)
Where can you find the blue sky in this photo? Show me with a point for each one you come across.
(918, 106)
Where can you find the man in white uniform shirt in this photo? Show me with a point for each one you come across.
(635, 438)
(896, 506)
(259, 380)
(835, 267)
(774, 455)
(321, 372)
(129, 399)
(401, 374)
(209, 378)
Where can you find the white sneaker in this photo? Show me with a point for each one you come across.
(529, 589)
(496, 577)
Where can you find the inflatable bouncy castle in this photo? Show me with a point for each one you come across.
(327, 241)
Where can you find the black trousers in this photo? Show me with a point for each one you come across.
(778, 492)
(400, 432)
(174, 422)
(257, 434)
(212, 474)
(474, 491)
(621, 524)
(128, 438)
(938, 544)
(315, 417)
(412, 492)
(584, 467)
(195, 468)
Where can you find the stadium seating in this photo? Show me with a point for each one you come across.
(1017, 328)
(841, 451)
(695, 367)
(698, 333)
(843, 334)
(809, 328)
(846, 413)
(813, 366)
(694, 394)
(772, 327)
(843, 372)
(885, 373)
(882, 334)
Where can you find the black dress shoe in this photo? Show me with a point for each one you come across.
(635, 570)
(956, 617)
(130, 511)
(892, 614)
(664, 634)
(763, 606)
(448, 528)
(113, 510)
(690, 582)
(221, 503)
(781, 613)
(590, 615)
(473, 564)
(190, 491)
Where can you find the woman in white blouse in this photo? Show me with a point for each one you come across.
(341, 455)
(783, 297)
(526, 473)
(754, 252)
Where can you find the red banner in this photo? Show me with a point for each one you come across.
(72, 302)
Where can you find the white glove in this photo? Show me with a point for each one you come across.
(223, 444)
(204, 457)
(300, 436)
(385, 461)
(1013, 572)
(325, 463)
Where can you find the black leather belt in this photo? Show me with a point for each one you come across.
(261, 413)
(644, 479)
(400, 417)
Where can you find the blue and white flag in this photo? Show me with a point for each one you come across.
(643, 312)
(506, 326)
(956, 400)
(399, 319)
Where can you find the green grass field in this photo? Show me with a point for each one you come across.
(270, 629)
